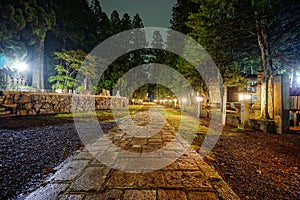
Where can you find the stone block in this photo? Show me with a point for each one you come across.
(202, 195)
(90, 180)
(72, 197)
(22, 112)
(113, 194)
(122, 179)
(49, 192)
(195, 180)
(70, 170)
(185, 163)
(16, 97)
(140, 194)
(31, 112)
(151, 179)
(47, 106)
(171, 195)
(173, 179)
(28, 106)
(37, 107)
(24, 99)
(45, 111)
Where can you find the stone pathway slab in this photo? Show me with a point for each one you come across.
(187, 177)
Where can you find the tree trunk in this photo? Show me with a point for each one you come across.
(266, 61)
(294, 76)
(38, 65)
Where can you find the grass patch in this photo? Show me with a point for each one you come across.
(101, 115)
(237, 130)
(190, 123)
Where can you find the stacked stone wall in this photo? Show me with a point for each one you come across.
(28, 103)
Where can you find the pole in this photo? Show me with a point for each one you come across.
(224, 106)
(199, 109)
(243, 114)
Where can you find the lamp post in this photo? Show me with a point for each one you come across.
(244, 98)
(175, 102)
(183, 100)
(199, 99)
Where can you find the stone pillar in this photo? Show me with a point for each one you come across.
(257, 105)
(281, 103)
(285, 103)
(244, 114)
(215, 96)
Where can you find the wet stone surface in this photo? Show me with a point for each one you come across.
(175, 173)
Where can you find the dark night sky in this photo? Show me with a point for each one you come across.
(154, 13)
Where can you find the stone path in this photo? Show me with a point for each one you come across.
(141, 158)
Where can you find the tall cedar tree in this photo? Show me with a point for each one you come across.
(23, 28)
(233, 34)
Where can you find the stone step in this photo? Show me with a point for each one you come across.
(9, 105)
(8, 115)
(5, 112)
(2, 109)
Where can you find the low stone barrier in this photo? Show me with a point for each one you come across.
(29, 103)
(263, 125)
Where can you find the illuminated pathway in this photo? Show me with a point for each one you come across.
(144, 166)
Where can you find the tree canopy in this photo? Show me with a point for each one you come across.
(36, 31)
(264, 37)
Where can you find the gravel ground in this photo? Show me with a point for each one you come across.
(30, 148)
(258, 165)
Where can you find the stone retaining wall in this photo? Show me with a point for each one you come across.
(28, 103)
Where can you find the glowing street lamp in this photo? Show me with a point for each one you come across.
(199, 99)
(133, 101)
(244, 97)
(21, 66)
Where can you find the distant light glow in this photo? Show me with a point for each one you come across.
(241, 97)
(184, 100)
(245, 97)
(199, 98)
(21, 66)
